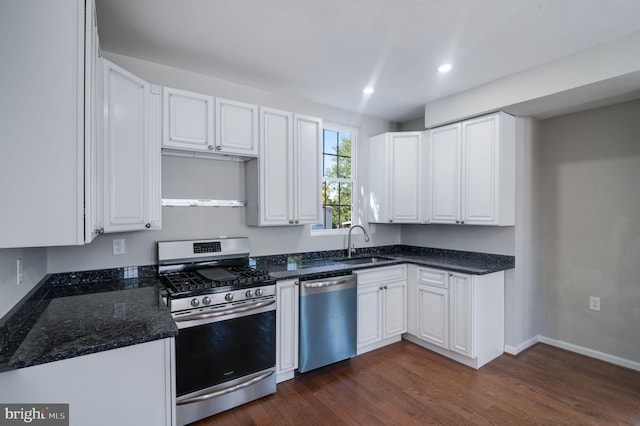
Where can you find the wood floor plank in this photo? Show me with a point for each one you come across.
(405, 384)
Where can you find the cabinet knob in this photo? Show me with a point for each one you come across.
(100, 231)
(148, 225)
(297, 221)
(380, 288)
(297, 282)
(390, 220)
(218, 148)
(290, 220)
(457, 221)
(385, 287)
(210, 147)
(462, 222)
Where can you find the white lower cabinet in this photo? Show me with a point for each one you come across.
(127, 386)
(457, 315)
(288, 297)
(382, 300)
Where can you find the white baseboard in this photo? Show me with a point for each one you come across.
(591, 353)
(515, 350)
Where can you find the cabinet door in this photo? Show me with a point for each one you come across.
(480, 184)
(369, 314)
(461, 305)
(125, 138)
(276, 167)
(433, 315)
(42, 124)
(445, 174)
(287, 326)
(236, 127)
(405, 180)
(395, 308)
(379, 200)
(187, 120)
(307, 199)
(93, 174)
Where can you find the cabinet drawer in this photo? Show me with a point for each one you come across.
(376, 275)
(433, 277)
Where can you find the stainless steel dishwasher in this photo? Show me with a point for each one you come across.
(328, 315)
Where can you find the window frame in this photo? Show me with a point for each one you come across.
(342, 128)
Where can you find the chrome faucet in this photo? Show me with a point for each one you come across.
(366, 238)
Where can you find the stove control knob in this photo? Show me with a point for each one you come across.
(195, 302)
(228, 297)
(206, 300)
(259, 292)
(249, 293)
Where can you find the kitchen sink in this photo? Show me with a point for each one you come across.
(364, 260)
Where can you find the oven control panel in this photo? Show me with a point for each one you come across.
(213, 300)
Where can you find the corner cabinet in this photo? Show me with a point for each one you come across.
(133, 385)
(48, 122)
(283, 184)
(397, 177)
(288, 297)
(382, 313)
(472, 170)
(131, 151)
(457, 315)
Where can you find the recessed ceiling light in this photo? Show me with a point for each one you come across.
(444, 68)
(368, 90)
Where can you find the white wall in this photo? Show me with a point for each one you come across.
(522, 289)
(486, 239)
(590, 234)
(35, 266)
(198, 178)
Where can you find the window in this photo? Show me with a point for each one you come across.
(338, 177)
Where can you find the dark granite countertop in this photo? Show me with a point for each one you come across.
(316, 264)
(70, 315)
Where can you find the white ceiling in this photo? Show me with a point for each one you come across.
(327, 51)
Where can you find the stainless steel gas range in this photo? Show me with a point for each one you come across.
(226, 314)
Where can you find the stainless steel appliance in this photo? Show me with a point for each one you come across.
(328, 317)
(226, 314)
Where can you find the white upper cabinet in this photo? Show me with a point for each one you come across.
(131, 151)
(187, 120)
(45, 117)
(396, 178)
(473, 172)
(236, 127)
(445, 174)
(283, 185)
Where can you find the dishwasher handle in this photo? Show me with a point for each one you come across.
(320, 284)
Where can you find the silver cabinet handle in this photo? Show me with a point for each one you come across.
(319, 284)
(100, 231)
(290, 220)
(148, 225)
(297, 221)
(210, 147)
(225, 390)
(218, 148)
(225, 312)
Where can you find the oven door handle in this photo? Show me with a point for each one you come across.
(251, 307)
(225, 390)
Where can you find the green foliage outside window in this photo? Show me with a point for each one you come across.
(337, 185)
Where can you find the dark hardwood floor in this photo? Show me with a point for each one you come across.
(405, 384)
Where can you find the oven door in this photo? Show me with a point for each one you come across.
(218, 346)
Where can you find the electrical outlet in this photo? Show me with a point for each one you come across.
(594, 303)
(118, 246)
(20, 271)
